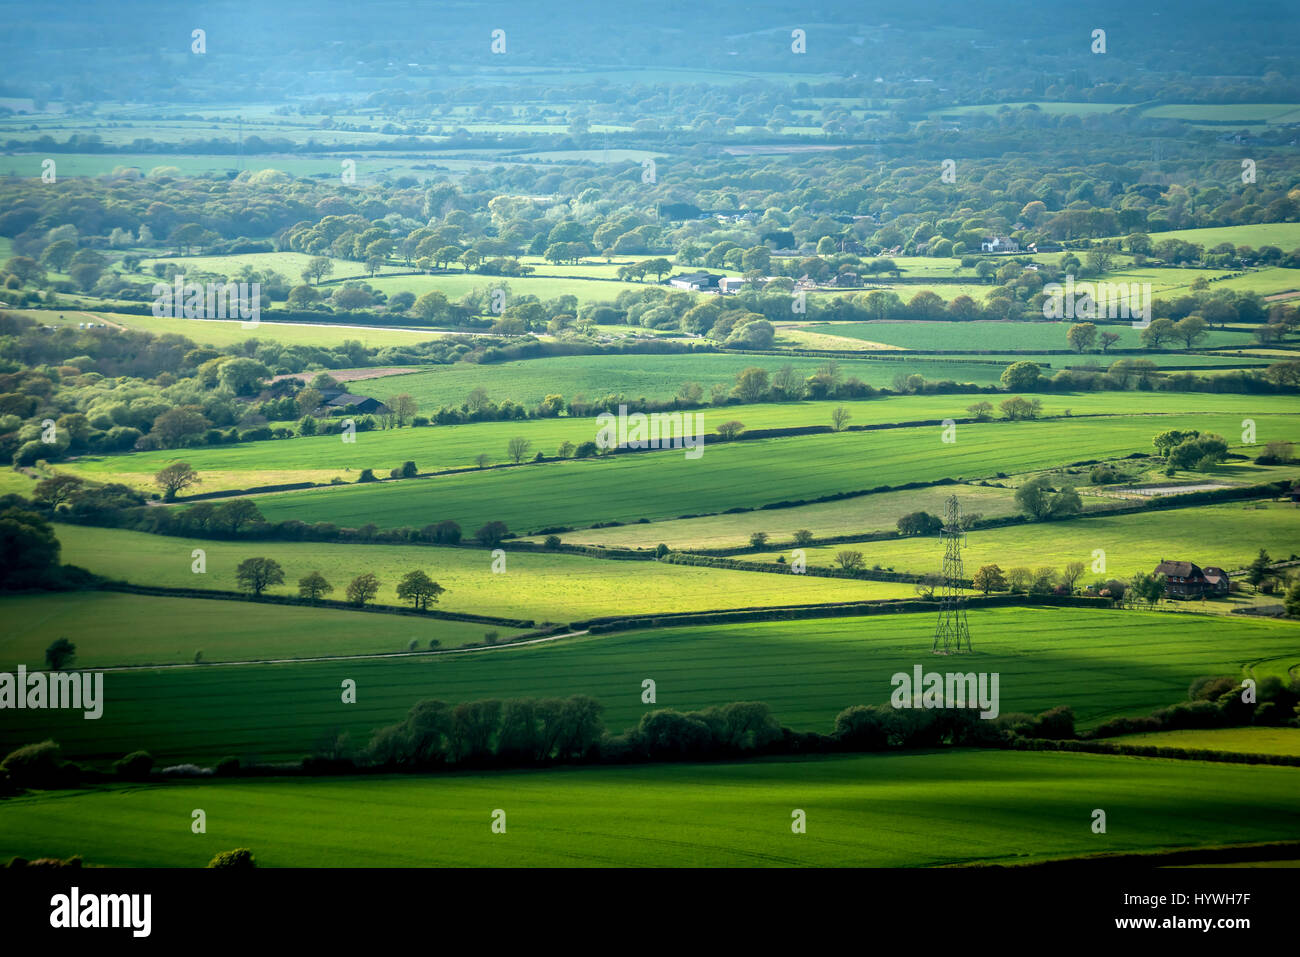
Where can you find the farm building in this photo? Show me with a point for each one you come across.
(1189, 580)
(728, 285)
(694, 281)
(363, 404)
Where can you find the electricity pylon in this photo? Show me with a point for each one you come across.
(951, 632)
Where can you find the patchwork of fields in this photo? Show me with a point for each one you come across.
(665, 484)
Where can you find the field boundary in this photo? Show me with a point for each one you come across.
(163, 591)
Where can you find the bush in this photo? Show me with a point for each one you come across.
(409, 470)
(552, 541)
(135, 766)
(227, 767)
(367, 475)
(241, 858)
(37, 765)
(862, 728)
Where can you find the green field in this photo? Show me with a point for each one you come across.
(656, 377)
(1101, 663)
(535, 585)
(861, 811)
(221, 332)
(665, 484)
(1228, 536)
(1286, 236)
(457, 284)
(1241, 740)
(1013, 336)
(1243, 113)
(438, 448)
(869, 513)
(171, 630)
(289, 264)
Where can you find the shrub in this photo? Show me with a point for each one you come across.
(552, 541)
(227, 767)
(37, 765)
(241, 858)
(861, 728)
(135, 766)
(367, 475)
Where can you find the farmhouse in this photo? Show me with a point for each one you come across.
(1189, 580)
(694, 281)
(1000, 244)
(364, 404)
(1216, 580)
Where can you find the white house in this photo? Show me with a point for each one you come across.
(1000, 244)
(728, 285)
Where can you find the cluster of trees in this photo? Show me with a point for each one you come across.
(1042, 501)
(1189, 449)
(1045, 580)
(1217, 701)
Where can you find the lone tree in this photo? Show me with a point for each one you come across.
(729, 430)
(404, 407)
(1258, 571)
(60, 654)
(363, 588)
(757, 539)
(175, 478)
(840, 418)
(1081, 336)
(258, 574)
(850, 561)
(1070, 577)
(419, 589)
(803, 537)
(518, 448)
(989, 578)
(313, 586)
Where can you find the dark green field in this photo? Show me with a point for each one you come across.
(1100, 663)
(903, 810)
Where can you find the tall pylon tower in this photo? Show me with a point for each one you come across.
(951, 632)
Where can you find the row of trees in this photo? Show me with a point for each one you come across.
(255, 575)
